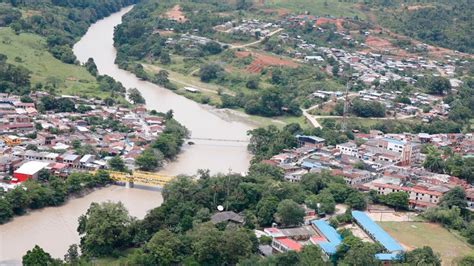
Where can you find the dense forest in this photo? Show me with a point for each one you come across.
(445, 23)
(13, 79)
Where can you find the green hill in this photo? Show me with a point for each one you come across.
(30, 51)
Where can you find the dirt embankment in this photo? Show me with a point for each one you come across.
(261, 61)
(176, 14)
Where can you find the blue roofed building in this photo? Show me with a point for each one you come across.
(394, 249)
(328, 240)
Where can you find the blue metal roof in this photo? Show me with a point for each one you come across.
(376, 232)
(328, 232)
(332, 236)
(394, 141)
(328, 248)
(389, 256)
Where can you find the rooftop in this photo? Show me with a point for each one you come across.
(376, 232)
(31, 168)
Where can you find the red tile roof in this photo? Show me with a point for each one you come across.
(289, 243)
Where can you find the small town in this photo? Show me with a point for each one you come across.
(237, 132)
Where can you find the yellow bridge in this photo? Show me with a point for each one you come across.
(141, 178)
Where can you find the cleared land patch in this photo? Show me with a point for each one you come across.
(261, 61)
(176, 14)
(414, 235)
(338, 22)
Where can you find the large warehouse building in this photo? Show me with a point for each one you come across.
(28, 170)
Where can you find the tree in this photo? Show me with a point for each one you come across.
(18, 199)
(72, 255)
(252, 83)
(149, 160)
(165, 58)
(162, 77)
(361, 253)
(326, 201)
(104, 229)
(212, 48)
(243, 4)
(289, 213)
(454, 197)
(422, 256)
(91, 67)
(73, 183)
(397, 200)
(433, 161)
(37, 257)
(135, 96)
(117, 164)
(6, 212)
(438, 85)
(44, 175)
(209, 72)
(356, 200)
(207, 245)
(364, 108)
(164, 247)
(310, 255)
(167, 144)
(266, 208)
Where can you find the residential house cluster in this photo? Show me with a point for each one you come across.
(70, 141)
(375, 161)
(248, 27)
(327, 238)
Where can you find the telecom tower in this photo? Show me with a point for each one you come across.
(346, 107)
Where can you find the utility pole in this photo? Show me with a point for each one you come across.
(346, 107)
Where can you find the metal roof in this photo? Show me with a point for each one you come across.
(328, 231)
(376, 232)
(332, 236)
(389, 256)
(31, 168)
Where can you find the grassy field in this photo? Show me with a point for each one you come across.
(318, 7)
(413, 235)
(30, 51)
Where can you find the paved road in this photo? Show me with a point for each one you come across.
(313, 119)
(231, 46)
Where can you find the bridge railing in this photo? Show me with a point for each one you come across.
(140, 177)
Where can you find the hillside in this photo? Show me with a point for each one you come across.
(448, 24)
(30, 51)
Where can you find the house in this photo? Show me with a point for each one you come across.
(71, 160)
(310, 58)
(28, 170)
(394, 249)
(329, 239)
(310, 141)
(418, 197)
(227, 216)
(285, 244)
(348, 148)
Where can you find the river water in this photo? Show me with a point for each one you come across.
(202, 121)
(54, 229)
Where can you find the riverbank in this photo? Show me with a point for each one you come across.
(54, 228)
(204, 122)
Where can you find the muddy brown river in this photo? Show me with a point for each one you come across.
(54, 229)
